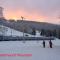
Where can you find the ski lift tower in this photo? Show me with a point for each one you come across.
(23, 27)
(22, 24)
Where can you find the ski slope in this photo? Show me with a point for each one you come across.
(29, 47)
(33, 47)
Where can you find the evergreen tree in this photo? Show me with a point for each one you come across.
(54, 33)
(48, 33)
(58, 36)
(43, 32)
(33, 31)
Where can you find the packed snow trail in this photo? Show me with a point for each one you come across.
(33, 47)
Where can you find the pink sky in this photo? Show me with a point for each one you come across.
(34, 10)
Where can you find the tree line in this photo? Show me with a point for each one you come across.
(48, 33)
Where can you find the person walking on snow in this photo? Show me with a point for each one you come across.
(43, 43)
(50, 44)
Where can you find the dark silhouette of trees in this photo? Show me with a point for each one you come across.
(42, 32)
(58, 34)
(50, 33)
(46, 33)
(33, 31)
(54, 33)
(11, 20)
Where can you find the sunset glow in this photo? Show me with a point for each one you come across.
(32, 10)
(28, 16)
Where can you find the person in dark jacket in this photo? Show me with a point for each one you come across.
(44, 43)
(50, 44)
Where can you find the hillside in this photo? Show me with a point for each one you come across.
(28, 25)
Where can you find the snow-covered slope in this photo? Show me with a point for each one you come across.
(6, 31)
(33, 47)
(29, 47)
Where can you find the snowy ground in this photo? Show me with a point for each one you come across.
(33, 47)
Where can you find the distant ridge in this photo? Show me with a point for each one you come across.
(28, 25)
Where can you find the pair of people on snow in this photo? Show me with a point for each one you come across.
(50, 43)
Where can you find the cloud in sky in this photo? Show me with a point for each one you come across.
(46, 10)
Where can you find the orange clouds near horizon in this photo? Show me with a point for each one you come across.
(34, 16)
